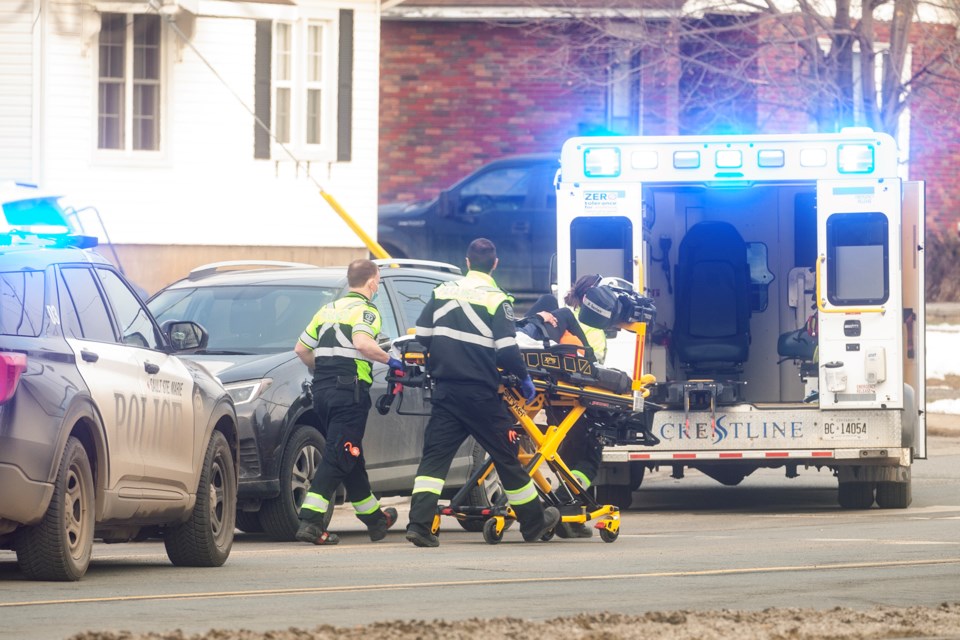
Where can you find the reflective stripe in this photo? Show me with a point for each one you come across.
(328, 352)
(315, 502)
(475, 320)
(584, 480)
(309, 340)
(444, 310)
(503, 343)
(523, 495)
(426, 484)
(424, 331)
(367, 505)
(463, 336)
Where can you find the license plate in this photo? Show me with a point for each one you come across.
(845, 430)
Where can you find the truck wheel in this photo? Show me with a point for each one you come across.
(487, 494)
(619, 495)
(249, 521)
(637, 469)
(855, 495)
(894, 495)
(280, 516)
(59, 546)
(206, 538)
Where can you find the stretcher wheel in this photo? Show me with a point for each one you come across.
(609, 536)
(490, 534)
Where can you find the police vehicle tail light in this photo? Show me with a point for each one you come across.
(11, 366)
(248, 390)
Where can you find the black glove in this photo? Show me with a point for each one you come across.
(528, 390)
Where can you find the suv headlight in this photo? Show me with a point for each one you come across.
(248, 390)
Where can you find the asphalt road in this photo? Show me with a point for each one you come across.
(689, 544)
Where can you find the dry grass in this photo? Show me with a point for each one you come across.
(942, 268)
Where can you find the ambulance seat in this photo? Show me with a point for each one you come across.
(712, 327)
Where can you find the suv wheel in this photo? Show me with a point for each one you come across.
(301, 458)
(249, 521)
(59, 546)
(205, 539)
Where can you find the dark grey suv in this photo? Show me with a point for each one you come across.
(104, 431)
(254, 313)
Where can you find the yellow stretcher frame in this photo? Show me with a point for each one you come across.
(555, 394)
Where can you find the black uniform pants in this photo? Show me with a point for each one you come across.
(344, 412)
(459, 411)
(580, 449)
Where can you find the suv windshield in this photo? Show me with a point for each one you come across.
(245, 319)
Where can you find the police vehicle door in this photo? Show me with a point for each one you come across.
(858, 291)
(111, 375)
(159, 413)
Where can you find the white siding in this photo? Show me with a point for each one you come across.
(16, 89)
(205, 187)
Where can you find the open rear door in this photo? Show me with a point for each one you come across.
(914, 329)
(858, 291)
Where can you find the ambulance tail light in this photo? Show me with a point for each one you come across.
(601, 162)
(855, 158)
(12, 365)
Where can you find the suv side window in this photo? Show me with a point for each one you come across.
(413, 295)
(136, 327)
(498, 190)
(388, 319)
(82, 308)
(21, 303)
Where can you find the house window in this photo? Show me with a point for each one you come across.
(623, 93)
(128, 115)
(303, 114)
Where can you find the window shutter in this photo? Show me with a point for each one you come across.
(345, 87)
(261, 90)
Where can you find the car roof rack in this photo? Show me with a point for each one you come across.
(234, 265)
(418, 264)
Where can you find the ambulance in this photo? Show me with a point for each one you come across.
(787, 275)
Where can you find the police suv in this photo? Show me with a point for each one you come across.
(104, 432)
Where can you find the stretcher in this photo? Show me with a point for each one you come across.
(573, 394)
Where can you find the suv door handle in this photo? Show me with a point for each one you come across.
(149, 367)
(89, 356)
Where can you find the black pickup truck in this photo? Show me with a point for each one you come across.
(511, 201)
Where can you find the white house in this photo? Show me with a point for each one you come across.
(150, 112)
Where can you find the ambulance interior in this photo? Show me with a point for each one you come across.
(731, 270)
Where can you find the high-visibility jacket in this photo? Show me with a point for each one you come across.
(330, 335)
(596, 337)
(468, 328)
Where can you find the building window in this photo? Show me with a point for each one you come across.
(128, 115)
(303, 113)
(623, 93)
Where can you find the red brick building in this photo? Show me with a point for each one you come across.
(462, 83)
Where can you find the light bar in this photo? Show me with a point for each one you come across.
(601, 162)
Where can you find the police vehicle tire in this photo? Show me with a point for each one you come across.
(894, 495)
(59, 546)
(280, 516)
(484, 495)
(855, 495)
(206, 538)
(249, 521)
(619, 495)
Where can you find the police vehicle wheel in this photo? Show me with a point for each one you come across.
(619, 495)
(855, 495)
(301, 458)
(59, 546)
(490, 535)
(206, 538)
(249, 521)
(487, 494)
(894, 495)
(609, 536)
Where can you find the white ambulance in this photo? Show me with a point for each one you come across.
(787, 272)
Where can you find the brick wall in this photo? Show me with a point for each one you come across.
(454, 95)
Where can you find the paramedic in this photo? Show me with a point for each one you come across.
(339, 346)
(468, 330)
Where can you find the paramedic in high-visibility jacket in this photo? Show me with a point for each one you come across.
(339, 346)
(468, 329)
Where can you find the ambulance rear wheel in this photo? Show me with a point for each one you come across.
(609, 536)
(490, 534)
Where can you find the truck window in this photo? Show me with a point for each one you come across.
(498, 190)
(857, 257)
